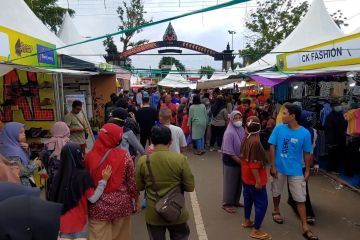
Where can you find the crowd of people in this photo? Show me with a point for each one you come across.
(99, 189)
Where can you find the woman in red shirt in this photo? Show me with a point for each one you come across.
(73, 187)
(109, 218)
(253, 159)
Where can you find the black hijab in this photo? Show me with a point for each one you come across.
(218, 106)
(29, 218)
(72, 180)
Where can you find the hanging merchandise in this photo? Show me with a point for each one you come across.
(338, 89)
(281, 92)
(325, 88)
(353, 118)
(324, 113)
(297, 89)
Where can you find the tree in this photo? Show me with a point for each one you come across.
(112, 55)
(131, 16)
(49, 12)
(339, 18)
(272, 22)
(169, 61)
(206, 70)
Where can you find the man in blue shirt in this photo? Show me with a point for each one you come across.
(290, 145)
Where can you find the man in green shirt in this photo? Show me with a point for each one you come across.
(77, 123)
(169, 169)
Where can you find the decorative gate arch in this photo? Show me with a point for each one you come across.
(170, 40)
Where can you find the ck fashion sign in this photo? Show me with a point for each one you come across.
(338, 52)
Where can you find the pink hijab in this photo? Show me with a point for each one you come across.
(60, 136)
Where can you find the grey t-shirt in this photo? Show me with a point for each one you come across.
(220, 119)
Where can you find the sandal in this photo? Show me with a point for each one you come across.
(229, 209)
(277, 218)
(249, 224)
(260, 235)
(310, 235)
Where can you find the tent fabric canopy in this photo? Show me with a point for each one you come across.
(175, 80)
(69, 34)
(316, 27)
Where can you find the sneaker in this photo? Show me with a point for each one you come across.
(219, 151)
(212, 149)
(310, 220)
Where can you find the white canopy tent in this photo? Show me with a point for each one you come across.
(218, 76)
(175, 80)
(69, 34)
(316, 27)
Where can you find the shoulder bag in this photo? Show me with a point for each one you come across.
(169, 206)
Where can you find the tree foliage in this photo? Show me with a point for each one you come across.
(272, 22)
(49, 12)
(206, 70)
(131, 15)
(169, 61)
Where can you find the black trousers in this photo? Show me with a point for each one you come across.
(336, 154)
(177, 232)
(217, 135)
(144, 137)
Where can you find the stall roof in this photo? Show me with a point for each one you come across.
(175, 80)
(317, 26)
(69, 34)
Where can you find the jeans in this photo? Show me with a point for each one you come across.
(200, 144)
(177, 232)
(259, 199)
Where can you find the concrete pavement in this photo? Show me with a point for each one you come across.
(337, 209)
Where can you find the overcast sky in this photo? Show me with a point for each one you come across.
(209, 29)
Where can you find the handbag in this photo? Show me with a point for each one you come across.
(169, 206)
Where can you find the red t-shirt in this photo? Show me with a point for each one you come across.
(247, 176)
(184, 124)
(75, 219)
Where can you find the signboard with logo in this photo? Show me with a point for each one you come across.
(15, 46)
(338, 52)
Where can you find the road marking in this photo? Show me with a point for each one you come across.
(200, 228)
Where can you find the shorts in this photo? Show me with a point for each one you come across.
(83, 234)
(297, 186)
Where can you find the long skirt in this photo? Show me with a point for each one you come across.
(232, 186)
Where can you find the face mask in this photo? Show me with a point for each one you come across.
(338, 109)
(238, 124)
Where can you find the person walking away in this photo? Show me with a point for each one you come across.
(77, 123)
(146, 117)
(73, 187)
(229, 104)
(219, 118)
(14, 148)
(180, 110)
(198, 119)
(171, 169)
(50, 157)
(231, 146)
(184, 125)
(129, 141)
(335, 131)
(110, 106)
(178, 143)
(168, 104)
(253, 167)
(155, 99)
(110, 216)
(290, 143)
(139, 97)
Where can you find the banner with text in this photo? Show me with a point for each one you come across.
(338, 52)
(14, 46)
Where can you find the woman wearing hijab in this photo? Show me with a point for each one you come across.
(231, 146)
(9, 172)
(254, 178)
(60, 134)
(73, 187)
(13, 146)
(219, 117)
(109, 218)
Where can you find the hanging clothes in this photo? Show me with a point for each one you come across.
(325, 88)
(281, 93)
(353, 118)
(339, 89)
(297, 89)
(324, 113)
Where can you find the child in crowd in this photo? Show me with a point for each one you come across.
(253, 160)
(184, 124)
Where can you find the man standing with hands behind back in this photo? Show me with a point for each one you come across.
(290, 144)
(77, 123)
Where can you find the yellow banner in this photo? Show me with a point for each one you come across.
(338, 52)
(14, 46)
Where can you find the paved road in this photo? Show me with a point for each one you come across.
(337, 210)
